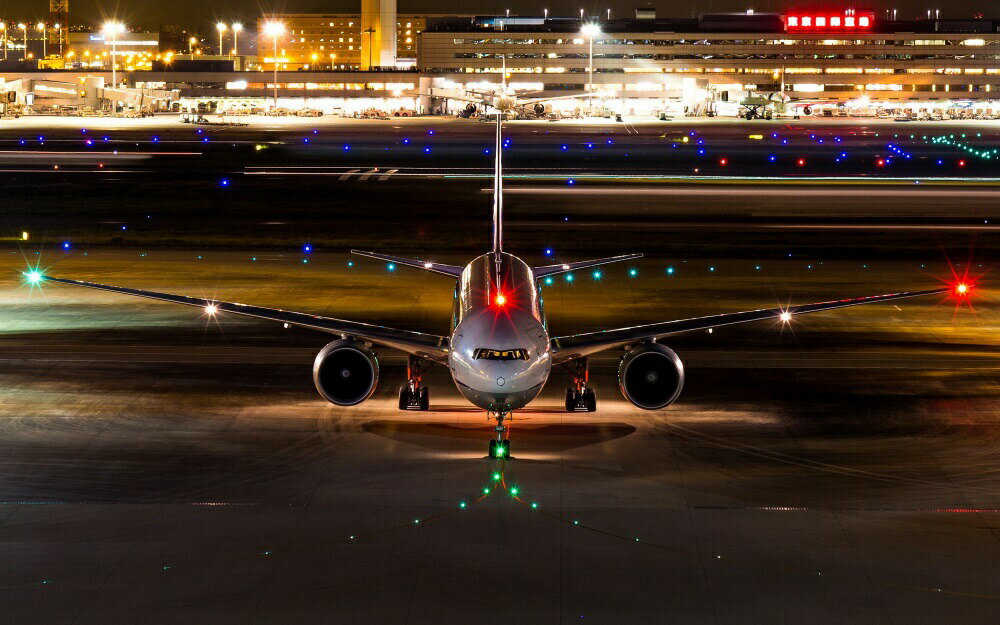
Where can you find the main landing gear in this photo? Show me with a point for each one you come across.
(413, 396)
(500, 447)
(580, 397)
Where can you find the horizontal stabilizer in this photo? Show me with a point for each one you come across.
(448, 270)
(549, 270)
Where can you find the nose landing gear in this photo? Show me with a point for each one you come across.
(500, 446)
(413, 396)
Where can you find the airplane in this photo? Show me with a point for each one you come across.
(506, 100)
(499, 351)
(768, 105)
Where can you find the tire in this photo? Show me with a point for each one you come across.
(404, 399)
(570, 400)
(591, 400)
(425, 400)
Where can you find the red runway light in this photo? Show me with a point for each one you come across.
(961, 163)
(723, 161)
(801, 162)
(880, 162)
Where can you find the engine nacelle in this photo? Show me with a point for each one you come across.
(345, 372)
(651, 377)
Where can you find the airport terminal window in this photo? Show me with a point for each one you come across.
(484, 353)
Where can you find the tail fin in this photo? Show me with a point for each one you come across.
(498, 187)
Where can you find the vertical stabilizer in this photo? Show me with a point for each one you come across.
(498, 187)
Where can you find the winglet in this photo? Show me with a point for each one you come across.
(448, 270)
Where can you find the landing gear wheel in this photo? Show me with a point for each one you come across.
(570, 400)
(410, 399)
(590, 398)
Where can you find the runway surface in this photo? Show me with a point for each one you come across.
(158, 467)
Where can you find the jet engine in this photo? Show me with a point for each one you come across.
(651, 377)
(539, 109)
(345, 372)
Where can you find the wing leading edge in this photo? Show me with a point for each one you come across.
(579, 345)
(428, 346)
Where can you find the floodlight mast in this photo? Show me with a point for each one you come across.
(590, 30)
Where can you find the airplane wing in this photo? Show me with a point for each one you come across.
(428, 346)
(530, 101)
(449, 270)
(578, 345)
(551, 270)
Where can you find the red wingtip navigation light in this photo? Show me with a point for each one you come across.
(847, 20)
(962, 289)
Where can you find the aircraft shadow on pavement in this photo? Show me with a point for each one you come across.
(535, 438)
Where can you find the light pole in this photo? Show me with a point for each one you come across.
(191, 42)
(113, 28)
(24, 30)
(3, 27)
(237, 29)
(58, 28)
(274, 29)
(40, 27)
(222, 30)
(590, 30)
(371, 33)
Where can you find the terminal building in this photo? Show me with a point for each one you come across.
(850, 61)
(835, 56)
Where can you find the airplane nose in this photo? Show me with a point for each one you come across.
(501, 375)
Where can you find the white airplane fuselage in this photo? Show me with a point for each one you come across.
(500, 355)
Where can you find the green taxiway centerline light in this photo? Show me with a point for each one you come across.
(514, 490)
(486, 491)
(461, 504)
(534, 506)
(496, 477)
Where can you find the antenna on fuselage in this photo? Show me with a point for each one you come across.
(498, 187)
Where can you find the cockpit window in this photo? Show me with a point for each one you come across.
(484, 353)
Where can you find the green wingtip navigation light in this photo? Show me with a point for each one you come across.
(33, 277)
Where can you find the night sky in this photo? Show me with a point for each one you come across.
(199, 14)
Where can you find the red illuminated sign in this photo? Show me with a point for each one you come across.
(849, 20)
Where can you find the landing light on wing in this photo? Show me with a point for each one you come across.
(785, 317)
(211, 309)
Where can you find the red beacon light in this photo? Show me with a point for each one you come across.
(500, 299)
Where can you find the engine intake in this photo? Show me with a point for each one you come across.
(651, 377)
(345, 372)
